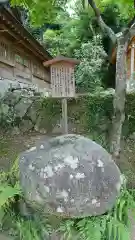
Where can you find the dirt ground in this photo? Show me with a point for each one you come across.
(12, 146)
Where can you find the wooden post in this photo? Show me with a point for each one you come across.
(132, 60)
(63, 83)
(64, 116)
(130, 81)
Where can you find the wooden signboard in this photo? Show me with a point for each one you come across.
(62, 82)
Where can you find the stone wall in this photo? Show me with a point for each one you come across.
(19, 105)
(24, 108)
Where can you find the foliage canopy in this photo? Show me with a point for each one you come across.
(41, 11)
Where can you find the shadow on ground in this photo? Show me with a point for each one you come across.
(12, 146)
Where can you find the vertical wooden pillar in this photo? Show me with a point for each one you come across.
(132, 60)
(64, 116)
(132, 64)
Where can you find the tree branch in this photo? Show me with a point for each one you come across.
(105, 29)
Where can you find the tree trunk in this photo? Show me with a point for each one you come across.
(120, 96)
(120, 85)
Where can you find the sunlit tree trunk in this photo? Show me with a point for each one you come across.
(120, 86)
(120, 97)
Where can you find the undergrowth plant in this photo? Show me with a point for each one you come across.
(32, 229)
(9, 189)
(19, 227)
(114, 225)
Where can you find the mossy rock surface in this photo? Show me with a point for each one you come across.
(69, 176)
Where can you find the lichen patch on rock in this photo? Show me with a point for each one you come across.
(71, 161)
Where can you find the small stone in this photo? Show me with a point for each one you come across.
(42, 147)
(64, 194)
(98, 204)
(31, 149)
(47, 189)
(44, 176)
(31, 167)
(71, 176)
(60, 210)
(94, 201)
(100, 163)
(72, 200)
(86, 200)
(80, 176)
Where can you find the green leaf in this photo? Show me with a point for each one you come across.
(109, 230)
(120, 208)
(117, 228)
(2, 214)
(7, 193)
(90, 229)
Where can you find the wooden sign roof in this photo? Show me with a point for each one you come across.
(62, 76)
(61, 59)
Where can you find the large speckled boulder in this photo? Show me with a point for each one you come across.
(70, 176)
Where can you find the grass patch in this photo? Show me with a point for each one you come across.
(112, 226)
(4, 146)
